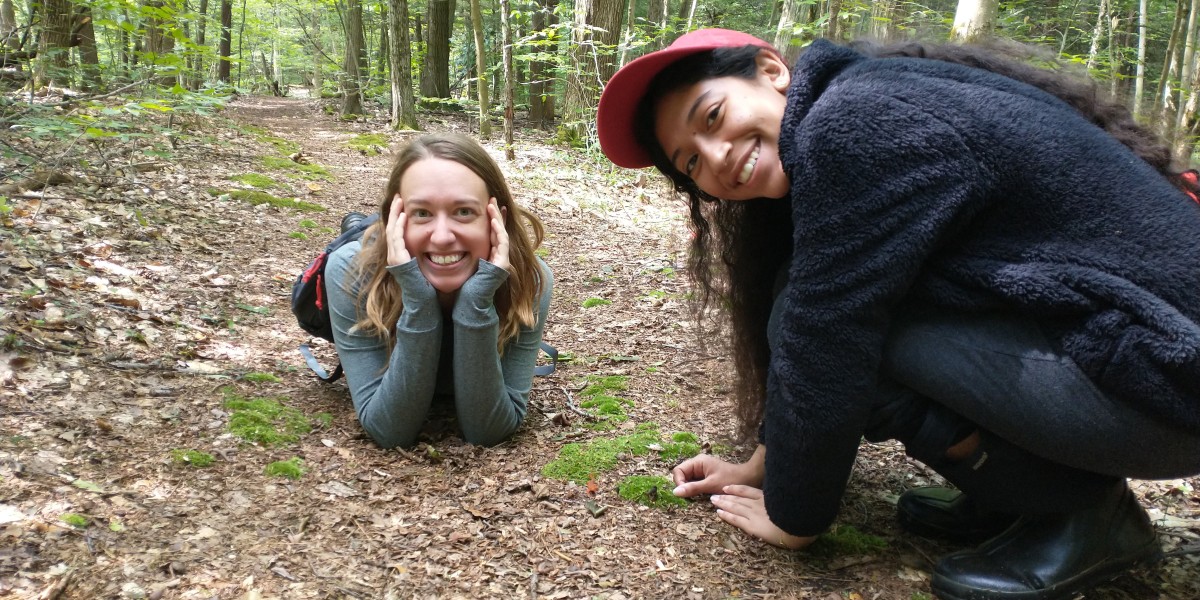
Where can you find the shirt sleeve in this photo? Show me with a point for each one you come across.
(491, 392)
(877, 183)
(391, 394)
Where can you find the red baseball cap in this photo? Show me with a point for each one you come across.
(624, 92)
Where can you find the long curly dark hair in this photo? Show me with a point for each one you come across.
(738, 248)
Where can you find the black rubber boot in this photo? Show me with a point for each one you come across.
(1052, 556)
(351, 219)
(946, 513)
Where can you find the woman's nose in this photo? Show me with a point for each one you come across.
(443, 231)
(714, 152)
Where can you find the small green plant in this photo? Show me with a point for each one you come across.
(305, 170)
(324, 419)
(298, 235)
(541, 252)
(135, 335)
(292, 468)
(682, 445)
(591, 302)
(193, 458)
(651, 490)
(74, 520)
(116, 526)
(264, 420)
(308, 223)
(10, 341)
(655, 295)
(578, 462)
(600, 397)
(256, 197)
(255, 180)
(845, 540)
(370, 144)
(258, 377)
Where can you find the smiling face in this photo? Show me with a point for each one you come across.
(448, 229)
(723, 132)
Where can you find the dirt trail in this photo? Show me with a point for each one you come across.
(195, 297)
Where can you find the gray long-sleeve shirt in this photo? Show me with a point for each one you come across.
(433, 353)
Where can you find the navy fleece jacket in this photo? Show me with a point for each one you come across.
(915, 181)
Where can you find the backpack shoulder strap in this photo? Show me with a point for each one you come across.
(316, 367)
(543, 370)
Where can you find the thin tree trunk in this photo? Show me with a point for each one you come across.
(1140, 83)
(833, 29)
(198, 75)
(226, 46)
(541, 86)
(788, 12)
(435, 73)
(1162, 95)
(481, 89)
(8, 25)
(974, 20)
(351, 77)
(54, 42)
(1097, 32)
(630, 31)
(509, 76)
(89, 58)
(241, 38)
(404, 105)
(1188, 72)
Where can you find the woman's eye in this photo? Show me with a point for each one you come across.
(691, 165)
(712, 116)
(465, 212)
(420, 213)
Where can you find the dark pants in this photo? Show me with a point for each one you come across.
(1002, 375)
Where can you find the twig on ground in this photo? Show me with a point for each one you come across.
(575, 409)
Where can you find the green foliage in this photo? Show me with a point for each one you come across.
(257, 377)
(305, 171)
(298, 235)
(593, 302)
(682, 445)
(264, 420)
(651, 490)
(577, 462)
(308, 223)
(599, 397)
(370, 144)
(292, 468)
(74, 520)
(845, 540)
(255, 180)
(193, 458)
(256, 197)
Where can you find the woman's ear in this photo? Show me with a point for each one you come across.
(772, 68)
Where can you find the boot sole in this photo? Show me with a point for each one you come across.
(1105, 571)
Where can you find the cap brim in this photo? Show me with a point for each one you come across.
(624, 91)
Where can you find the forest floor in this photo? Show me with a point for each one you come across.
(143, 299)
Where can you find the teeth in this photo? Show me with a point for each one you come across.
(748, 168)
(445, 259)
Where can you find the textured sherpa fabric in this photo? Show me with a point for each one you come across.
(916, 182)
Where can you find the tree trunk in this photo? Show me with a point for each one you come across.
(1097, 32)
(630, 32)
(383, 63)
(1187, 73)
(656, 16)
(606, 18)
(833, 29)
(8, 25)
(404, 105)
(226, 46)
(198, 75)
(541, 85)
(1140, 83)
(54, 44)
(435, 73)
(351, 77)
(317, 82)
(481, 89)
(974, 20)
(788, 12)
(1162, 92)
(85, 38)
(509, 77)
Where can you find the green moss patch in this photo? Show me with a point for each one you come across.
(579, 462)
(599, 396)
(651, 490)
(264, 420)
(305, 171)
(74, 520)
(193, 458)
(370, 144)
(292, 468)
(255, 180)
(256, 197)
(845, 540)
(593, 302)
(259, 377)
(682, 445)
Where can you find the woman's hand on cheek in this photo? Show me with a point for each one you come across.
(742, 506)
(496, 216)
(397, 252)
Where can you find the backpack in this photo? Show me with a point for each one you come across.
(311, 308)
(309, 302)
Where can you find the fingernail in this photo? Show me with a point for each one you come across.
(678, 491)
(716, 498)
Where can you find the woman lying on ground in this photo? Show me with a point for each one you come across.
(443, 299)
(941, 246)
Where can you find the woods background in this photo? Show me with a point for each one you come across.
(546, 60)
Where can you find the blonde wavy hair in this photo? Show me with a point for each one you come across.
(516, 301)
